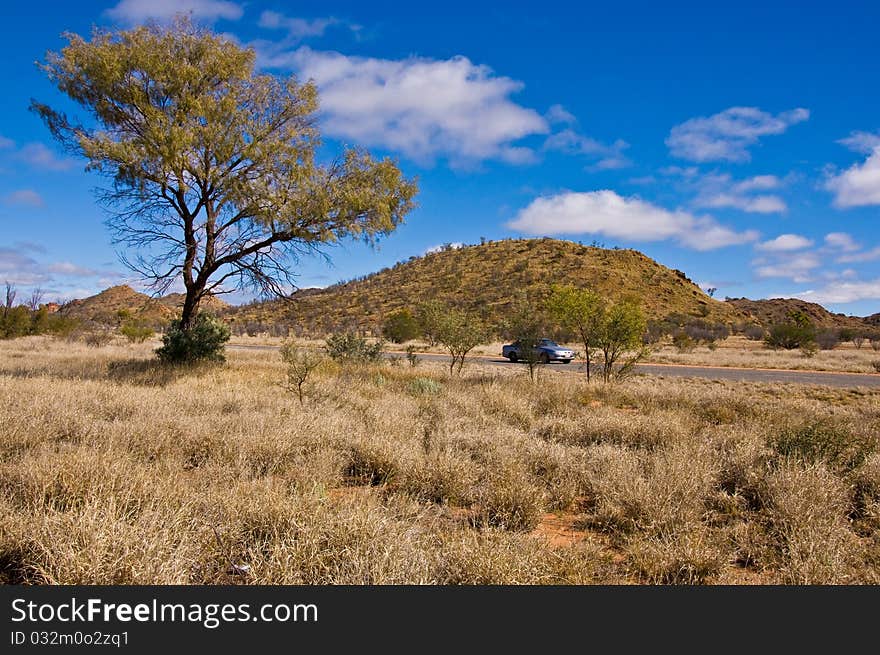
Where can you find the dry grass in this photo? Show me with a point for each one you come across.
(116, 470)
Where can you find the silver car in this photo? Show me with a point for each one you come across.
(546, 350)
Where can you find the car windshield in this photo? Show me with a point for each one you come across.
(549, 342)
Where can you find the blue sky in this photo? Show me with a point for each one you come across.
(739, 144)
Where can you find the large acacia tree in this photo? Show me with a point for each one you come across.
(213, 173)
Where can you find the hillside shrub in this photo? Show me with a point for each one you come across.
(828, 339)
(796, 332)
(348, 348)
(203, 342)
(401, 326)
(136, 332)
(754, 333)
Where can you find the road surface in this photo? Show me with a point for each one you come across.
(824, 378)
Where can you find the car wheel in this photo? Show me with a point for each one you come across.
(565, 361)
(512, 357)
(545, 358)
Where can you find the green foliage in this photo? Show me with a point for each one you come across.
(215, 159)
(424, 387)
(401, 326)
(824, 441)
(683, 341)
(202, 342)
(351, 349)
(136, 331)
(580, 311)
(622, 329)
(15, 322)
(459, 332)
(796, 332)
(429, 316)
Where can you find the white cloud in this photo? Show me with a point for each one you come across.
(39, 156)
(863, 142)
(67, 268)
(860, 257)
(440, 247)
(609, 156)
(797, 267)
(843, 292)
(296, 28)
(785, 243)
(720, 190)
(727, 135)
(607, 213)
(25, 197)
(859, 185)
(841, 241)
(139, 11)
(423, 108)
(559, 114)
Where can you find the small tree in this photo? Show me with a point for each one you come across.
(301, 362)
(827, 339)
(459, 332)
(580, 311)
(858, 339)
(796, 332)
(215, 178)
(430, 315)
(621, 333)
(9, 300)
(400, 326)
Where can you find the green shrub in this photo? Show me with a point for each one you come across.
(823, 442)
(401, 326)
(350, 348)
(424, 387)
(203, 342)
(796, 332)
(136, 332)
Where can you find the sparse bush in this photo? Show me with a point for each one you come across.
(204, 341)
(876, 365)
(411, 356)
(875, 342)
(459, 332)
(301, 362)
(349, 348)
(828, 339)
(754, 333)
(683, 342)
(97, 338)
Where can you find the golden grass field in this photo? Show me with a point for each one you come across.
(115, 470)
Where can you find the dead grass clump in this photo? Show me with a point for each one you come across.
(688, 557)
(442, 477)
(507, 499)
(807, 510)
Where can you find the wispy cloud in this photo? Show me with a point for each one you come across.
(607, 156)
(843, 292)
(39, 156)
(611, 215)
(138, 11)
(721, 190)
(728, 135)
(798, 267)
(24, 197)
(862, 142)
(422, 108)
(841, 241)
(296, 28)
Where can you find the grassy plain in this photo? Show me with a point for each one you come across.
(115, 470)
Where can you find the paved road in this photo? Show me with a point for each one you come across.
(845, 380)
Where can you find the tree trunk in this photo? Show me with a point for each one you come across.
(190, 308)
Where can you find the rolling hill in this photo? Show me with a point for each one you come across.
(485, 279)
(775, 310)
(104, 307)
